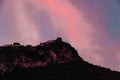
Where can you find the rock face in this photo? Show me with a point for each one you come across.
(51, 60)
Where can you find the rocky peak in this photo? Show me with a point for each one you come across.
(51, 60)
(50, 52)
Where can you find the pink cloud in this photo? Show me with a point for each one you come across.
(74, 27)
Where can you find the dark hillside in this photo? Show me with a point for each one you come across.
(51, 60)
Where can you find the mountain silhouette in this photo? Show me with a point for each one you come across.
(51, 60)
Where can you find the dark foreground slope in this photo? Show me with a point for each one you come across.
(51, 60)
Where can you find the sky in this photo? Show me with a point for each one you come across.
(91, 26)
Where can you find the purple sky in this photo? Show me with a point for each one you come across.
(91, 26)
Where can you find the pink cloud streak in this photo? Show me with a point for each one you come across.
(74, 28)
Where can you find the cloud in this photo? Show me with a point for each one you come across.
(71, 24)
(26, 29)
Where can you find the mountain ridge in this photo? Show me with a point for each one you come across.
(53, 60)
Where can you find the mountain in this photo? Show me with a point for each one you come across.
(51, 60)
